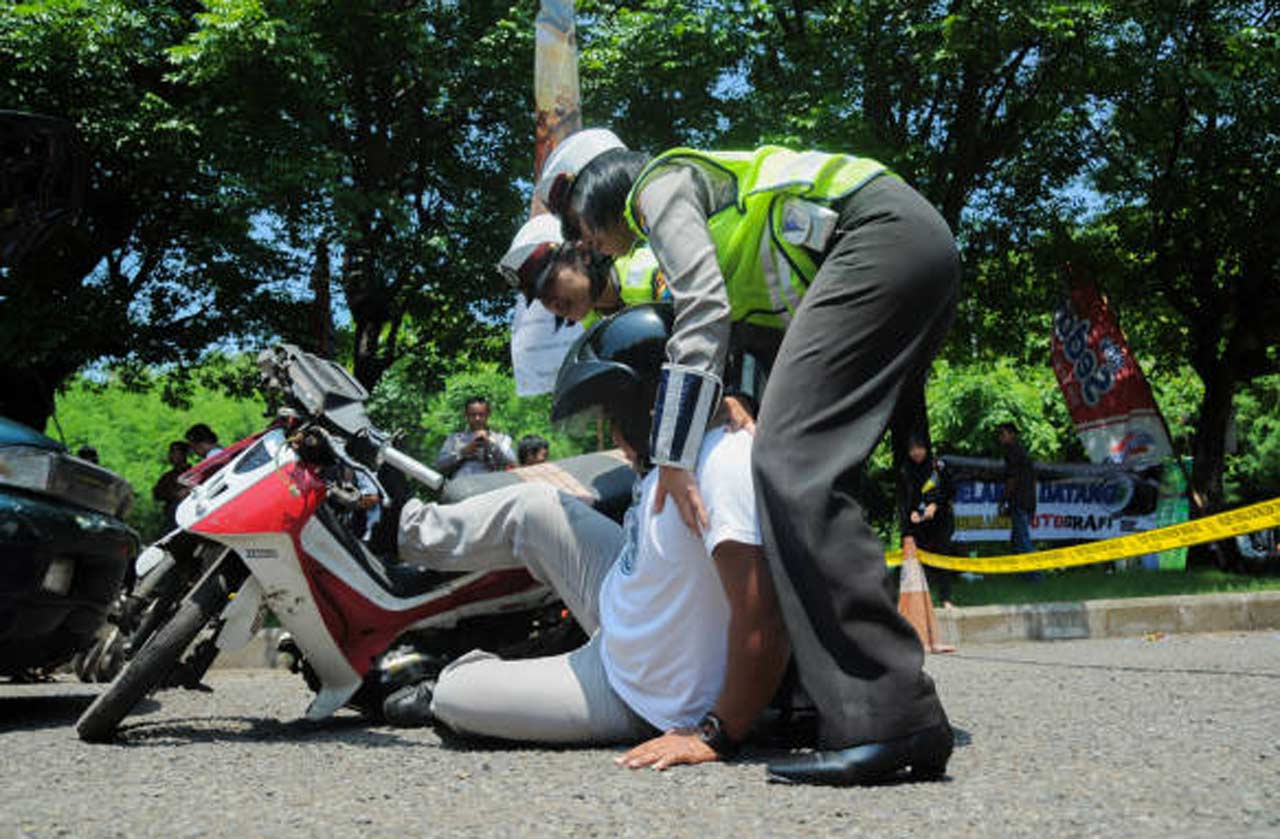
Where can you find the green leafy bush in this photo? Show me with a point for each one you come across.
(132, 429)
(1253, 472)
(428, 418)
(967, 402)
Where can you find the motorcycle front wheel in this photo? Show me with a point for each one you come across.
(162, 652)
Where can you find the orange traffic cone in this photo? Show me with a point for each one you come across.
(914, 602)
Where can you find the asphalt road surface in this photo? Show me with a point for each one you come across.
(1168, 737)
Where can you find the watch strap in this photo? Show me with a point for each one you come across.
(711, 731)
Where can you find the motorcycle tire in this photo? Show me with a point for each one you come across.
(162, 652)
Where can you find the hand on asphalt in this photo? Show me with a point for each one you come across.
(678, 746)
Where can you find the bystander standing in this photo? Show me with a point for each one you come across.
(203, 441)
(168, 490)
(1019, 502)
(477, 450)
(926, 514)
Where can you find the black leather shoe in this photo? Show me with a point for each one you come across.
(925, 752)
(410, 706)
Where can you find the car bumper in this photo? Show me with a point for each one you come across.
(61, 567)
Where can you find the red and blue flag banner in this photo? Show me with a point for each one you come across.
(1111, 402)
(1109, 399)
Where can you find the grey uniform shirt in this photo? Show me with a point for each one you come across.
(675, 204)
(498, 455)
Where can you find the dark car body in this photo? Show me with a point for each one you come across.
(64, 549)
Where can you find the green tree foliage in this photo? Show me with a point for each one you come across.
(132, 429)
(1253, 471)
(968, 402)
(246, 151)
(388, 136)
(163, 262)
(1185, 152)
(427, 418)
(978, 105)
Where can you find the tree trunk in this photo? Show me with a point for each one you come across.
(321, 326)
(368, 306)
(1209, 445)
(27, 393)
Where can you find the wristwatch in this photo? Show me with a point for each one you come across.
(711, 731)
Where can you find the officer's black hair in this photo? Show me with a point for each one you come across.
(477, 399)
(596, 266)
(599, 194)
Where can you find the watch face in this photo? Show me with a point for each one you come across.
(711, 733)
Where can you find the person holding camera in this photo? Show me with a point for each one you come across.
(477, 450)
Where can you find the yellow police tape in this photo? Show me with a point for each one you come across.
(1209, 529)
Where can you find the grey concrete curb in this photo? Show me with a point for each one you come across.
(1002, 624)
(1111, 618)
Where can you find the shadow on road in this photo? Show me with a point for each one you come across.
(232, 729)
(38, 713)
(771, 740)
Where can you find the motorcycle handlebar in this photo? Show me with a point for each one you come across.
(412, 468)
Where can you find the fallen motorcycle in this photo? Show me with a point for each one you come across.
(262, 532)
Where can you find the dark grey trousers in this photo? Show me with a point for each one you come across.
(852, 364)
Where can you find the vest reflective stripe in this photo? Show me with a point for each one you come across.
(765, 275)
(777, 279)
(639, 278)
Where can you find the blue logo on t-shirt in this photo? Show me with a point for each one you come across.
(631, 535)
(631, 531)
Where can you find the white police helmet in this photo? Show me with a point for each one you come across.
(525, 262)
(567, 160)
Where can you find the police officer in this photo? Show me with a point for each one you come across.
(579, 284)
(574, 283)
(862, 275)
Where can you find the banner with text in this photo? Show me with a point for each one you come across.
(1066, 508)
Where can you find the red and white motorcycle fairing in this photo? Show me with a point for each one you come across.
(340, 603)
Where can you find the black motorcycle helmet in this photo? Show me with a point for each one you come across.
(614, 368)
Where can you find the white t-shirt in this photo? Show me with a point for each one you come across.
(664, 617)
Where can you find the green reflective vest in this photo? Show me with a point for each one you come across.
(639, 280)
(764, 273)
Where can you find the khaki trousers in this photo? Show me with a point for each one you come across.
(563, 699)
